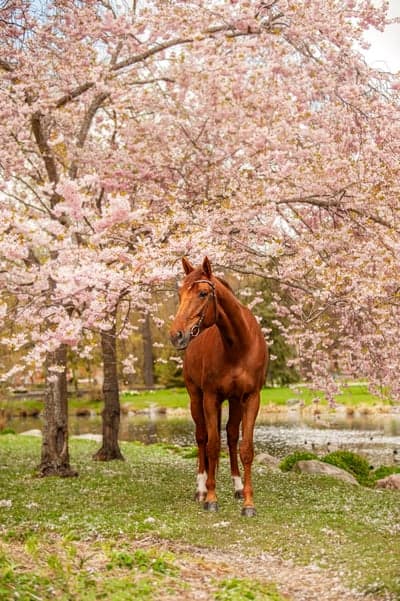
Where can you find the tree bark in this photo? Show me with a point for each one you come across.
(55, 453)
(111, 412)
(148, 359)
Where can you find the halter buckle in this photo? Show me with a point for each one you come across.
(195, 331)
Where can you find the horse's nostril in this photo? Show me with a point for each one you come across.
(177, 336)
(178, 339)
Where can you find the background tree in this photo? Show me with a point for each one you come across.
(111, 412)
(148, 357)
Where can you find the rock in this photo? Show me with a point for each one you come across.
(31, 433)
(269, 460)
(82, 412)
(89, 436)
(391, 482)
(313, 466)
(293, 402)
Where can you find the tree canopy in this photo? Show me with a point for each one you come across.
(253, 131)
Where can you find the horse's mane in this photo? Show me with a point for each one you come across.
(225, 283)
(197, 274)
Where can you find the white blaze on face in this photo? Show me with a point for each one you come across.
(201, 485)
(237, 483)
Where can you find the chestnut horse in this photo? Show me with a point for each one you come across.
(226, 358)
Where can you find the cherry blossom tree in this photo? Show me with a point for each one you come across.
(316, 176)
(72, 134)
(251, 128)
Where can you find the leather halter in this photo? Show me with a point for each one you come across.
(195, 330)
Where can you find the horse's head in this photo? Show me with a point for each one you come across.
(197, 304)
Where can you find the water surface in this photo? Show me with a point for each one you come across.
(376, 436)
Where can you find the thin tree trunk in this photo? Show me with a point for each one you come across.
(148, 359)
(111, 412)
(55, 453)
(74, 381)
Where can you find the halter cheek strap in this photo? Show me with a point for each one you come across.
(196, 329)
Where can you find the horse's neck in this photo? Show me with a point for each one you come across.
(231, 319)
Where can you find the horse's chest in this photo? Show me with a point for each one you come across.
(225, 380)
(209, 367)
(233, 383)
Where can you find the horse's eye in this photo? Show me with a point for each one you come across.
(203, 294)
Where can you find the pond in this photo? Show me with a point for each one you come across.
(377, 436)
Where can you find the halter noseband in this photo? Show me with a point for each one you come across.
(195, 330)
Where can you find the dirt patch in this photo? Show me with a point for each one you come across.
(200, 571)
(203, 567)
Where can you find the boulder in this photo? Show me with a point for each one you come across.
(269, 460)
(31, 433)
(313, 466)
(82, 412)
(293, 402)
(391, 482)
(89, 436)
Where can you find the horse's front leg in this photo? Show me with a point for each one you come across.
(232, 431)
(196, 408)
(212, 414)
(250, 410)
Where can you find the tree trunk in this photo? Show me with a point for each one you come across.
(55, 453)
(148, 359)
(111, 412)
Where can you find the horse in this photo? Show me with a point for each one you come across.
(225, 358)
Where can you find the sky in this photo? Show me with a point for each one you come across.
(384, 53)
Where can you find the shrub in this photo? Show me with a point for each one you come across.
(384, 470)
(351, 462)
(288, 462)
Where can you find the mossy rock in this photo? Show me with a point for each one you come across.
(352, 463)
(7, 431)
(288, 462)
(383, 471)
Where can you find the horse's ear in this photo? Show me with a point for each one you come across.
(187, 267)
(207, 267)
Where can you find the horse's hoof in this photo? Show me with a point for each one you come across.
(199, 497)
(239, 494)
(249, 512)
(211, 506)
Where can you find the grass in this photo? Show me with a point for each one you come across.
(236, 589)
(177, 398)
(355, 395)
(88, 538)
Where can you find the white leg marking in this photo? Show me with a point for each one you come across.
(201, 486)
(237, 483)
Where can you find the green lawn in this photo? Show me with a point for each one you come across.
(177, 398)
(83, 538)
(353, 395)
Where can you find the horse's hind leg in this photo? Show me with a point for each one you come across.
(232, 431)
(250, 410)
(196, 408)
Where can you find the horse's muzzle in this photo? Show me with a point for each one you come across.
(180, 339)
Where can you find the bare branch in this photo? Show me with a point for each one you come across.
(85, 127)
(6, 66)
(44, 148)
(74, 94)
(265, 276)
(208, 33)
